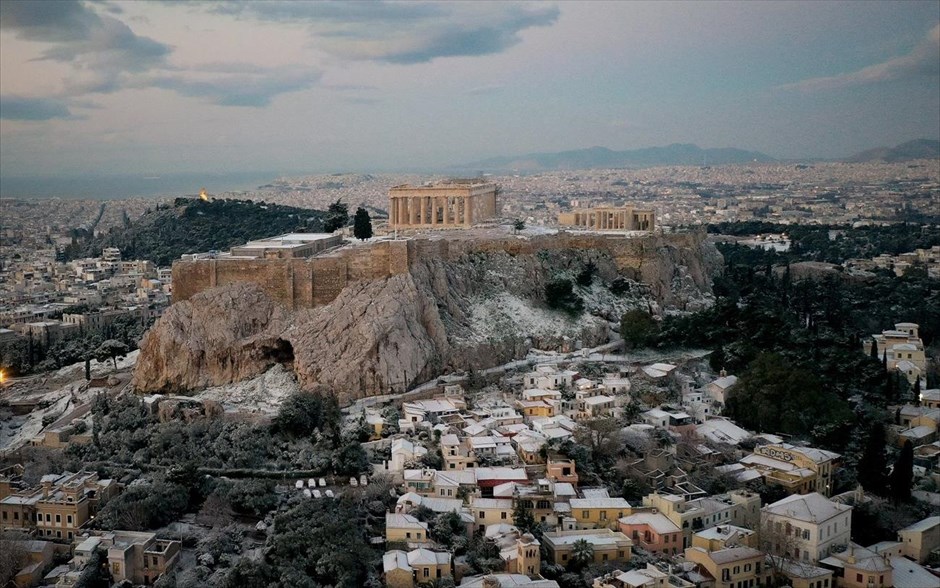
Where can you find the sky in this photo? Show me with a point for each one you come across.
(161, 87)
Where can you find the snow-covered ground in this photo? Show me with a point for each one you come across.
(262, 394)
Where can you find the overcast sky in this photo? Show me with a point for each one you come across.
(117, 87)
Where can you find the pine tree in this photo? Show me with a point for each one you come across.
(873, 465)
(917, 391)
(362, 224)
(902, 476)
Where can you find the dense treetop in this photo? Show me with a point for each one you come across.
(192, 225)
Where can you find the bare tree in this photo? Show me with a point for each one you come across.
(13, 557)
(782, 543)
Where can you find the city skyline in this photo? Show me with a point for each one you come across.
(117, 87)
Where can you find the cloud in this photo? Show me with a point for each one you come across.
(102, 50)
(923, 60)
(20, 108)
(240, 86)
(403, 33)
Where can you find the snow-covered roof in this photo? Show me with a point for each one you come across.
(656, 521)
(813, 508)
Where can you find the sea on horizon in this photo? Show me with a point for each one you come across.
(116, 187)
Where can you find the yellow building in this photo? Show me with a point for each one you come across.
(58, 507)
(409, 569)
(405, 528)
(724, 536)
(732, 567)
(607, 545)
(799, 470)
(597, 513)
(919, 540)
(902, 349)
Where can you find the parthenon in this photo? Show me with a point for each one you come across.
(448, 205)
(613, 218)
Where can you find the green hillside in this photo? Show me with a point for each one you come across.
(192, 225)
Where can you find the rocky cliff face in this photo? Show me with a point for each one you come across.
(381, 336)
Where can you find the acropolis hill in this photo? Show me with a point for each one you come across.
(378, 317)
(297, 283)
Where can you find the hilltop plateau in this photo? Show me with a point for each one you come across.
(480, 308)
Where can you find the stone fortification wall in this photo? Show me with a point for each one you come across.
(308, 283)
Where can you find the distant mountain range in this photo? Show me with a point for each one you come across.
(678, 154)
(675, 154)
(917, 149)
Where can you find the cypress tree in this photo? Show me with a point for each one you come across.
(873, 465)
(874, 349)
(902, 476)
(362, 224)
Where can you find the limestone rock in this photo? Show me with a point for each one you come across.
(220, 336)
(386, 335)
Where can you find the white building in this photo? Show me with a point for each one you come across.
(807, 527)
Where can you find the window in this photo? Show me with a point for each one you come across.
(68, 519)
(48, 517)
(58, 519)
(585, 514)
(407, 535)
(564, 557)
(427, 572)
(502, 515)
(4, 515)
(603, 515)
(16, 515)
(858, 578)
(747, 567)
(620, 553)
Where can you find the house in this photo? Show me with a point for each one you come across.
(39, 555)
(718, 389)
(930, 398)
(506, 581)
(653, 532)
(519, 551)
(139, 557)
(901, 344)
(409, 569)
(804, 575)
(598, 512)
(549, 378)
(858, 567)
(560, 469)
(404, 527)
(735, 508)
(648, 577)
(732, 566)
(921, 539)
(607, 545)
(724, 536)
(721, 430)
(805, 527)
(491, 511)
